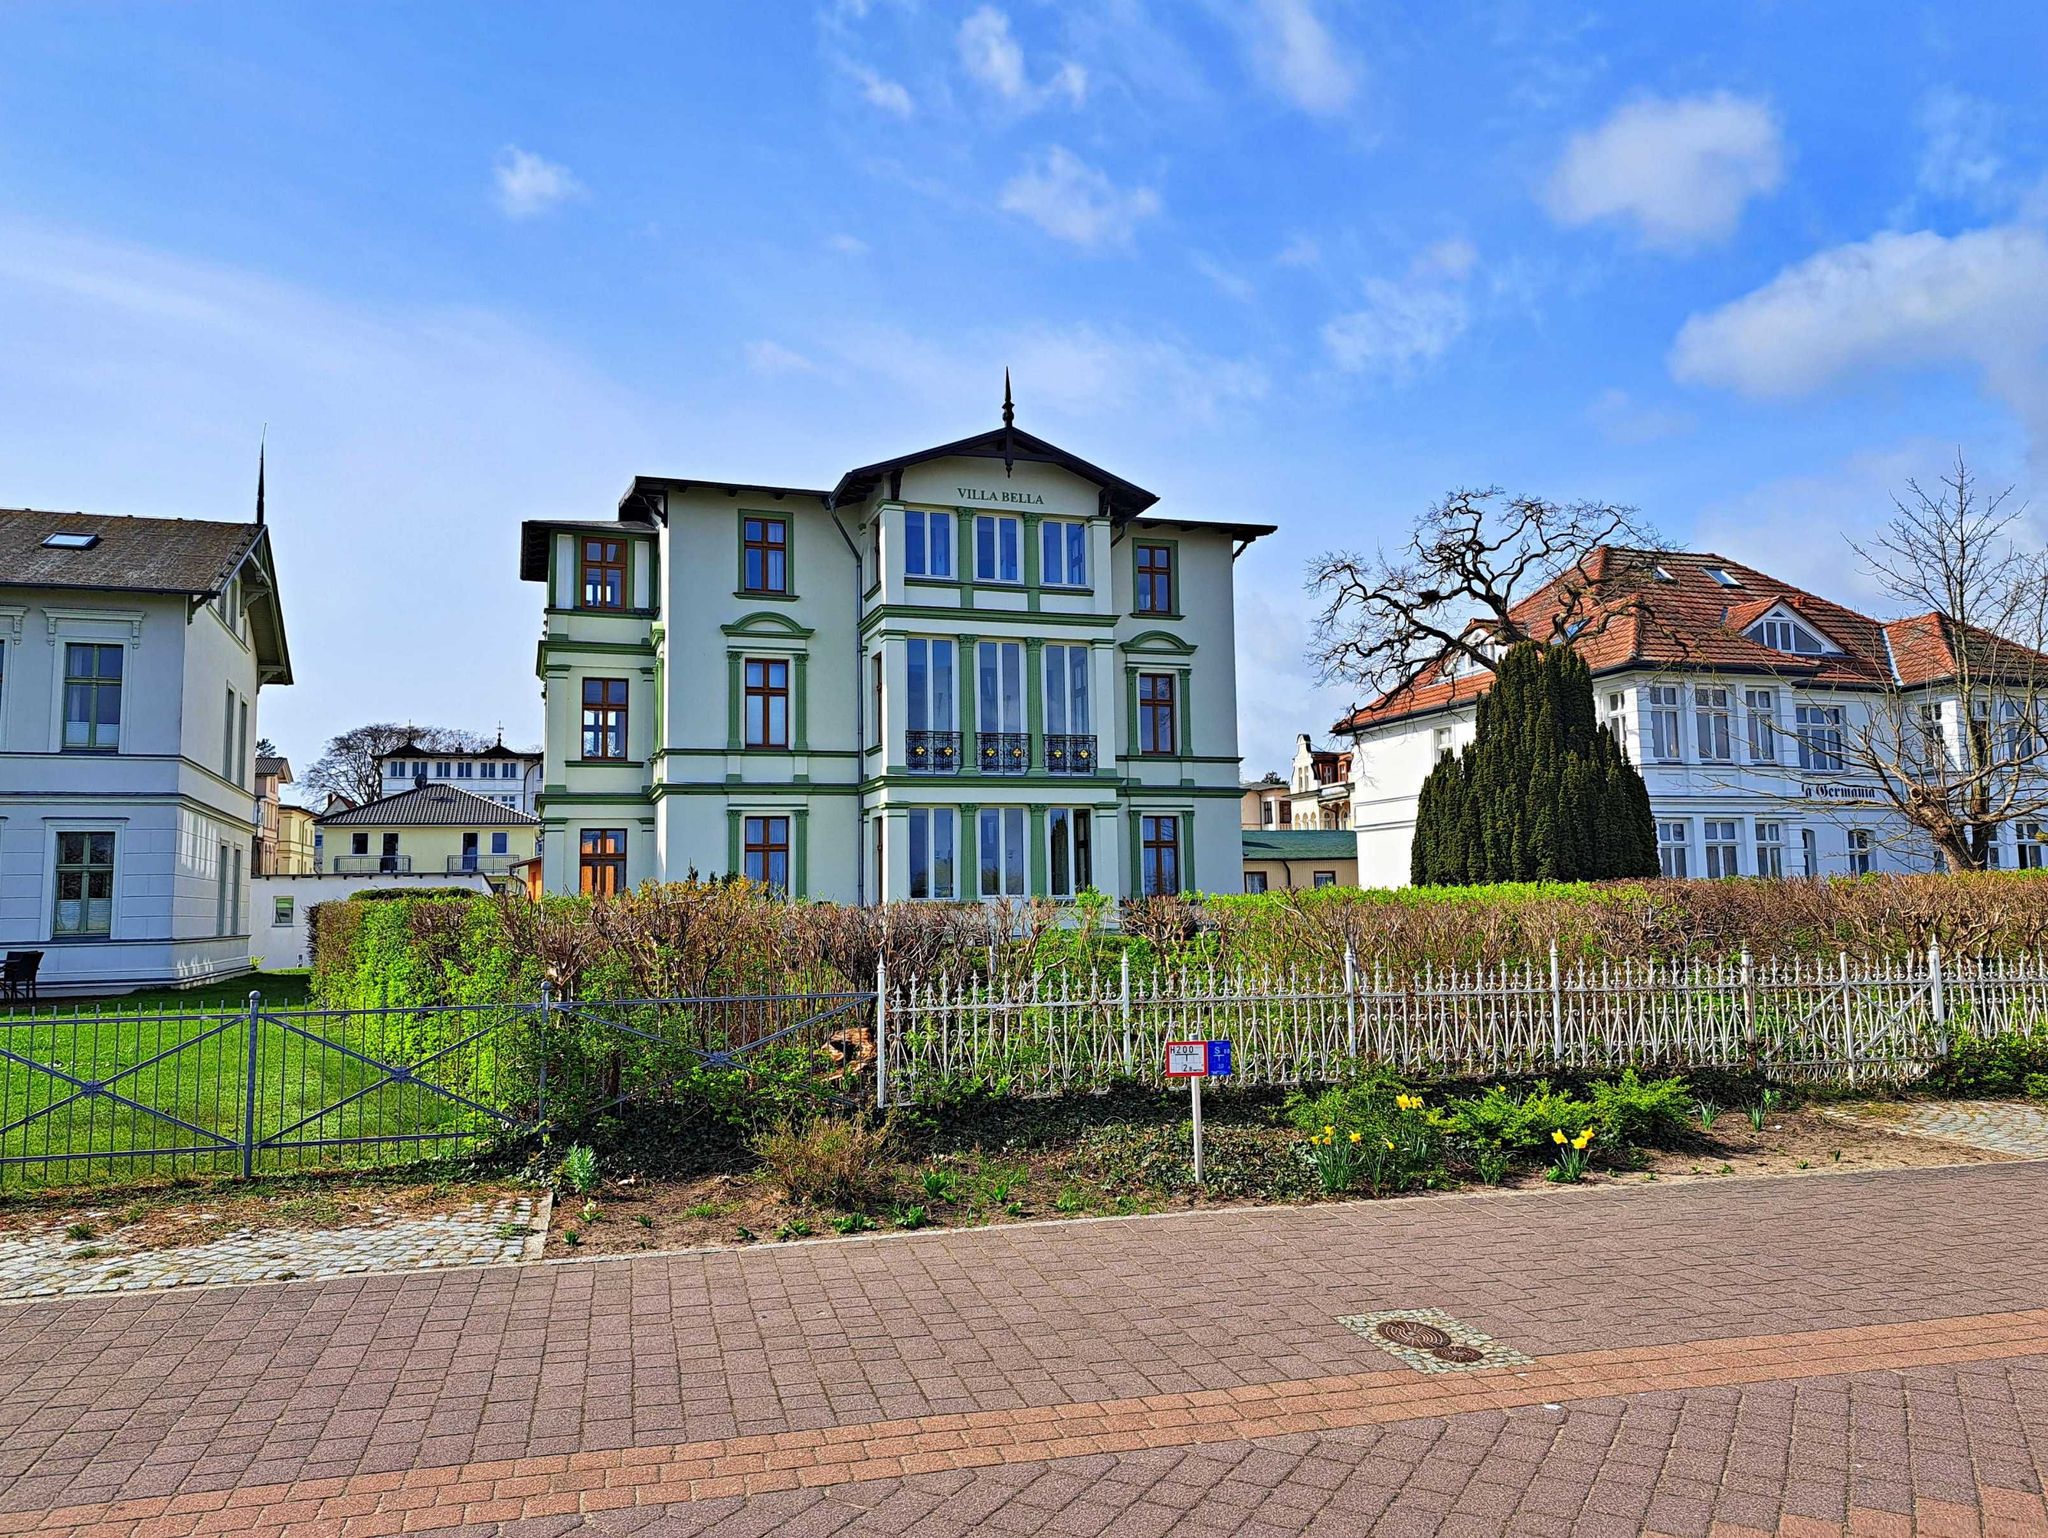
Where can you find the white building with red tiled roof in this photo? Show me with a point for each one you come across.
(1733, 692)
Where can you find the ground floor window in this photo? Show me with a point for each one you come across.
(281, 912)
(2027, 845)
(1720, 847)
(766, 852)
(1672, 850)
(85, 886)
(1159, 847)
(1255, 881)
(1326, 878)
(1001, 851)
(1069, 833)
(601, 861)
(932, 833)
(1809, 852)
(1770, 849)
(1859, 851)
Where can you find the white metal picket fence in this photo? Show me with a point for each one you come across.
(1881, 1020)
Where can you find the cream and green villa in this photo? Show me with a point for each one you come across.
(984, 670)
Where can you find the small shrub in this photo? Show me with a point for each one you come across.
(941, 1185)
(1491, 1165)
(2036, 1086)
(1990, 1065)
(1517, 1125)
(1336, 1159)
(1633, 1112)
(827, 1162)
(579, 1169)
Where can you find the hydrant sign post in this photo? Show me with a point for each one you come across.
(1196, 1061)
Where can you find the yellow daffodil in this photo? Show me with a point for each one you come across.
(1557, 1138)
(1328, 1130)
(1358, 1137)
(1586, 1133)
(1389, 1142)
(1582, 1140)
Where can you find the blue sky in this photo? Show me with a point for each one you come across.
(1297, 261)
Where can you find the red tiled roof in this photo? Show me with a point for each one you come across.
(1635, 618)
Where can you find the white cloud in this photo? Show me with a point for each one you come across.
(846, 245)
(1228, 281)
(1399, 329)
(768, 357)
(1978, 299)
(1069, 199)
(1293, 53)
(991, 54)
(1681, 170)
(528, 185)
(1300, 251)
(1957, 159)
(1620, 418)
(880, 92)
(1452, 258)
(1404, 326)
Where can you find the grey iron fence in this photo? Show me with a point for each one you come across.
(1801, 1019)
(111, 1094)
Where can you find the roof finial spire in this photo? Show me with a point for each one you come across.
(1009, 406)
(262, 444)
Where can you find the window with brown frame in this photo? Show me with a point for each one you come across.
(604, 718)
(764, 555)
(1157, 718)
(601, 861)
(1160, 876)
(767, 683)
(766, 852)
(1155, 579)
(603, 573)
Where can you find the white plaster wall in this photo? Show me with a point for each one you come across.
(275, 947)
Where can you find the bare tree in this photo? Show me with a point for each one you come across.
(1450, 593)
(349, 766)
(1958, 741)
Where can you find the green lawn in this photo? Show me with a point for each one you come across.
(183, 1057)
(280, 990)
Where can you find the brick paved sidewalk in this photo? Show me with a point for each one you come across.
(1876, 1343)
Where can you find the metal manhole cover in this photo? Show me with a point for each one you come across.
(1413, 1333)
(1430, 1340)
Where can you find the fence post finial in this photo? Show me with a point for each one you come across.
(882, 1033)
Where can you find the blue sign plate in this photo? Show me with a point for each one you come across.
(1219, 1058)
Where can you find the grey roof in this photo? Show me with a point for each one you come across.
(1300, 844)
(431, 806)
(142, 555)
(279, 766)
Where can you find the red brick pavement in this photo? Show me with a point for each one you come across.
(1192, 1344)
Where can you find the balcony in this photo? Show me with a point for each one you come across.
(1003, 752)
(931, 752)
(480, 864)
(371, 864)
(1069, 753)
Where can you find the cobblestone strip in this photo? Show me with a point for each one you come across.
(46, 1263)
(374, 1505)
(2001, 1126)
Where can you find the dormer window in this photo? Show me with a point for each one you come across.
(1721, 575)
(1784, 635)
(71, 541)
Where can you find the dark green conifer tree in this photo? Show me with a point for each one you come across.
(1543, 792)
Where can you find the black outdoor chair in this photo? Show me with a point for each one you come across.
(18, 974)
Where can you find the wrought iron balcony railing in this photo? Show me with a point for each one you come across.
(1069, 753)
(1003, 752)
(931, 752)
